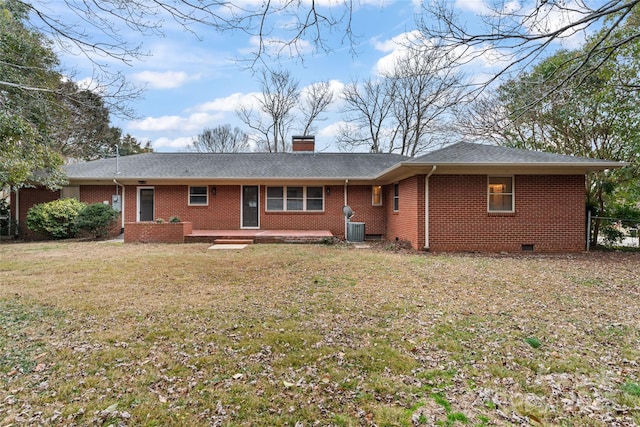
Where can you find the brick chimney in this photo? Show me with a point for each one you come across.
(306, 144)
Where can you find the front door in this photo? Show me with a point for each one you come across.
(250, 206)
(145, 204)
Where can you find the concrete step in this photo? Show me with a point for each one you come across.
(233, 241)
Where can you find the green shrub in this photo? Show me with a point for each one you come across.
(96, 219)
(174, 219)
(612, 234)
(55, 219)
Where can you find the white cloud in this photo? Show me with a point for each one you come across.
(167, 144)
(551, 17)
(93, 85)
(192, 123)
(397, 48)
(475, 6)
(335, 86)
(228, 103)
(164, 80)
(332, 130)
(511, 6)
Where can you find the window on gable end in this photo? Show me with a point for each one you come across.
(500, 194)
(396, 197)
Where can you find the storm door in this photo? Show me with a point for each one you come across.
(145, 204)
(250, 206)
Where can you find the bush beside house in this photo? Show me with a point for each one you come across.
(67, 218)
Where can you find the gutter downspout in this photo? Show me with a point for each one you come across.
(426, 208)
(121, 203)
(346, 184)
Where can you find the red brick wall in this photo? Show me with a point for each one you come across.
(408, 223)
(27, 198)
(223, 211)
(360, 199)
(549, 214)
(332, 219)
(151, 232)
(32, 196)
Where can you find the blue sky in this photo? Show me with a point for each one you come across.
(196, 82)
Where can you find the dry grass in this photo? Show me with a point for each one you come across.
(99, 334)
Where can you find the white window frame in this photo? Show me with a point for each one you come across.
(512, 194)
(206, 194)
(304, 198)
(396, 197)
(373, 195)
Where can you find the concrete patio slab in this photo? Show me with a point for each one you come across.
(228, 246)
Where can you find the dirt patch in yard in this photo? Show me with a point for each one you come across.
(99, 334)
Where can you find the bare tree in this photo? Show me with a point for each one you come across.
(272, 123)
(94, 28)
(425, 89)
(368, 109)
(221, 139)
(518, 35)
(407, 110)
(315, 101)
(483, 119)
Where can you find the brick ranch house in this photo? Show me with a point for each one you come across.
(464, 197)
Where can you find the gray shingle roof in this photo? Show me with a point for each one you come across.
(365, 166)
(464, 153)
(237, 166)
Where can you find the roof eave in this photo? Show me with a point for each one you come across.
(138, 180)
(406, 169)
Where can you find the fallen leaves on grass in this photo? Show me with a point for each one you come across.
(316, 335)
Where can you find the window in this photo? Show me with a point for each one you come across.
(70, 192)
(315, 199)
(295, 199)
(376, 195)
(500, 194)
(275, 199)
(396, 197)
(198, 196)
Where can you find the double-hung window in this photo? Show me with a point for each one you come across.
(198, 196)
(315, 200)
(295, 199)
(396, 197)
(500, 194)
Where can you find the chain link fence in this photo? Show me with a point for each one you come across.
(613, 232)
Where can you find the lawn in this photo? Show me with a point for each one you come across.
(302, 335)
